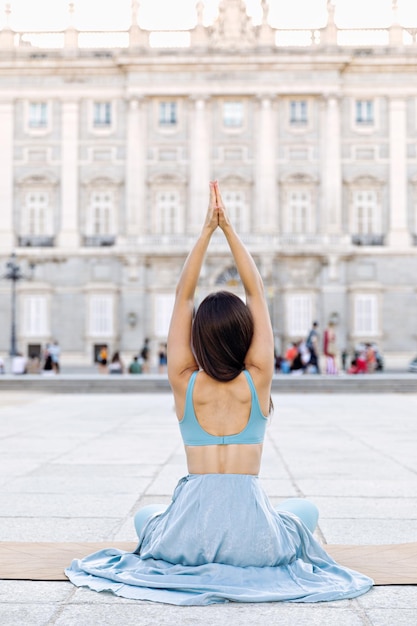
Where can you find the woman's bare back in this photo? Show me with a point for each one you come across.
(222, 409)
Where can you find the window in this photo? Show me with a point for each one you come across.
(102, 114)
(37, 215)
(366, 213)
(101, 213)
(299, 314)
(38, 115)
(167, 212)
(101, 316)
(298, 112)
(299, 213)
(35, 316)
(236, 207)
(233, 114)
(365, 315)
(364, 112)
(168, 113)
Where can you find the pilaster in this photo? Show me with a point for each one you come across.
(6, 178)
(331, 174)
(266, 198)
(136, 166)
(199, 162)
(69, 234)
(398, 231)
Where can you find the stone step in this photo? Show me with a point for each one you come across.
(376, 383)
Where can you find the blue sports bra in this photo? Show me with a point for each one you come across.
(194, 435)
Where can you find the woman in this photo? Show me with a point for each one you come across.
(220, 539)
(329, 349)
(116, 364)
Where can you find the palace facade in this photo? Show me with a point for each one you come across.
(108, 141)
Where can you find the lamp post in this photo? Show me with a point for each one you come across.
(14, 274)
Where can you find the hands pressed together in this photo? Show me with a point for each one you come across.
(216, 214)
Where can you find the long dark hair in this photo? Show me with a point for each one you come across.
(221, 335)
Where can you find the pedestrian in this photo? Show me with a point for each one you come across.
(221, 539)
(55, 352)
(19, 364)
(162, 358)
(312, 343)
(330, 348)
(116, 365)
(344, 357)
(289, 358)
(135, 367)
(144, 355)
(370, 359)
(48, 366)
(102, 359)
(297, 365)
(33, 364)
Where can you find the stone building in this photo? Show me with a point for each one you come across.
(108, 141)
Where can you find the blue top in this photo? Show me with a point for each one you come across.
(194, 435)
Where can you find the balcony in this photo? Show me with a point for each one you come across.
(99, 241)
(368, 239)
(36, 241)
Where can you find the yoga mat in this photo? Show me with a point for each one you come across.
(391, 564)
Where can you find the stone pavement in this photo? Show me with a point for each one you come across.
(77, 467)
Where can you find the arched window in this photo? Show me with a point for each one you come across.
(299, 212)
(100, 214)
(299, 314)
(36, 217)
(229, 277)
(102, 208)
(167, 212)
(37, 207)
(366, 214)
(236, 207)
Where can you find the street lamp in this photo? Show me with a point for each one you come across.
(14, 274)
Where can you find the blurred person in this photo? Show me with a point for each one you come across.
(102, 359)
(135, 367)
(145, 356)
(162, 358)
(19, 364)
(116, 364)
(48, 365)
(33, 364)
(55, 352)
(330, 348)
(312, 343)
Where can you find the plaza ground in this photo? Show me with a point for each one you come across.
(76, 467)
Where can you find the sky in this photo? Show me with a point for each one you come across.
(180, 14)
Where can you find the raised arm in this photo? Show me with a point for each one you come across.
(261, 351)
(180, 357)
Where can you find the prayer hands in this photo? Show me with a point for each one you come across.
(216, 214)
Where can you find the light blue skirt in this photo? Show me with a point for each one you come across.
(221, 540)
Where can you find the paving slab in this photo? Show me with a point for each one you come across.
(76, 467)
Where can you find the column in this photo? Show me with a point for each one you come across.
(69, 235)
(6, 178)
(331, 174)
(265, 210)
(398, 232)
(136, 167)
(199, 164)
